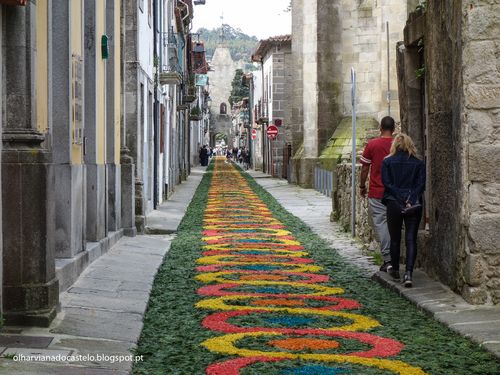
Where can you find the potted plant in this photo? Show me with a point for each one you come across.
(195, 114)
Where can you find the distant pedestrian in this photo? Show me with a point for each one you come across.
(373, 156)
(228, 155)
(204, 156)
(200, 155)
(403, 176)
(246, 159)
(239, 156)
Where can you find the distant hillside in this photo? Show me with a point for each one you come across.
(240, 44)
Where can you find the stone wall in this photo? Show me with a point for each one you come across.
(481, 128)
(364, 47)
(330, 37)
(281, 70)
(455, 125)
(221, 77)
(431, 116)
(343, 212)
(297, 79)
(297, 87)
(446, 187)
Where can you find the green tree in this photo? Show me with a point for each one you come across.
(240, 44)
(238, 91)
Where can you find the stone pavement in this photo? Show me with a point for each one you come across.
(101, 314)
(479, 323)
(175, 207)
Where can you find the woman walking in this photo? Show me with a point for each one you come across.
(403, 176)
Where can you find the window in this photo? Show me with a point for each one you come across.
(223, 109)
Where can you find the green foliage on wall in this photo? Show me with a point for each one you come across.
(238, 91)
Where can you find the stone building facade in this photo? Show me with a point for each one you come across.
(221, 74)
(452, 111)
(274, 55)
(329, 38)
(139, 92)
(68, 154)
(159, 92)
(61, 138)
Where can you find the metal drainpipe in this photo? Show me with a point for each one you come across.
(251, 121)
(263, 132)
(187, 7)
(156, 137)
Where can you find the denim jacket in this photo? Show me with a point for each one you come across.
(403, 177)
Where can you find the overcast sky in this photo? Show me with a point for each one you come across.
(260, 18)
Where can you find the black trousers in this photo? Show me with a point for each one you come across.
(395, 223)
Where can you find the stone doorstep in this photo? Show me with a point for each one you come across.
(69, 269)
(151, 230)
(11, 330)
(18, 341)
(37, 352)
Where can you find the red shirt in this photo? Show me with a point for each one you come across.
(373, 155)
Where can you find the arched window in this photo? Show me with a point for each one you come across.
(223, 109)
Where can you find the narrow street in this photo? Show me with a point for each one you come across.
(248, 284)
(229, 187)
(247, 288)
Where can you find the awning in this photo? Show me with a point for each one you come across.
(13, 2)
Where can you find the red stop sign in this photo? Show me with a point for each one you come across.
(272, 131)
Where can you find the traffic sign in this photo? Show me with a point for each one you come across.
(272, 131)
(254, 134)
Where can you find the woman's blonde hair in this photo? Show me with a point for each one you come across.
(403, 142)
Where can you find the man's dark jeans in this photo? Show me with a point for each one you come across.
(395, 221)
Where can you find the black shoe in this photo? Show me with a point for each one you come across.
(385, 267)
(394, 273)
(407, 281)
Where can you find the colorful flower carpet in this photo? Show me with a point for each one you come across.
(255, 270)
(247, 288)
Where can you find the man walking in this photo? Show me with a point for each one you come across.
(373, 155)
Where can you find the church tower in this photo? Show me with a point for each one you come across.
(222, 69)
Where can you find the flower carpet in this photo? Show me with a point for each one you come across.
(256, 270)
(247, 289)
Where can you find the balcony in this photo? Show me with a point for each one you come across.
(170, 77)
(189, 88)
(170, 74)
